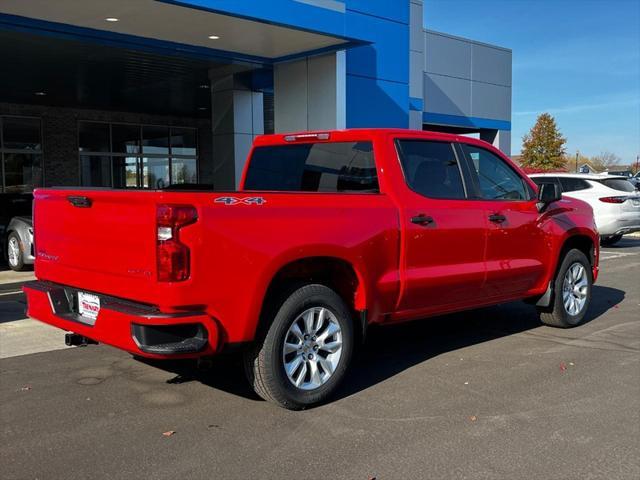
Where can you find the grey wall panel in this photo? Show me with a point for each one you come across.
(309, 94)
(451, 96)
(416, 38)
(491, 101)
(491, 65)
(322, 92)
(447, 56)
(416, 71)
(290, 96)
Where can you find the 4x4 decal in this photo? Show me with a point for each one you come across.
(242, 201)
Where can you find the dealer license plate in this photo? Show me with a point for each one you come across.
(88, 306)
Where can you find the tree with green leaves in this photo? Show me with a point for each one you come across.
(543, 147)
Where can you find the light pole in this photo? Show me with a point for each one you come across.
(577, 155)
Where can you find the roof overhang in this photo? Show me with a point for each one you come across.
(170, 25)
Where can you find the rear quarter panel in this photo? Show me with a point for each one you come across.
(242, 247)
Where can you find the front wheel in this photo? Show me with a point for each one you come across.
(609, 241)
(15, 256)
(303, 356)
(572, 292)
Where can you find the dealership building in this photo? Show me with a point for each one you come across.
(147, 93)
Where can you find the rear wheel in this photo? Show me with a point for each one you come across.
(572, 292)
(612, 240)
(303, 356)
(15, 256)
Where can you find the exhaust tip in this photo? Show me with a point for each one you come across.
(75, 340)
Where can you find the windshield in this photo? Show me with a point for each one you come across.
(618, 184)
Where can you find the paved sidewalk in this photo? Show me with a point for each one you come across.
(20, 335)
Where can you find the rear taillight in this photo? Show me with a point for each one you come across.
(613, 199)
(173, 256)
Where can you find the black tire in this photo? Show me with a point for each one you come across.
(265, 365)
(18, 264)
(556, 315)
(609, 241)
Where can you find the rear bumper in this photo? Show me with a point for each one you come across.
(137, 328)
(620, 224)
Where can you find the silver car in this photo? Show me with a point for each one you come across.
(19, 243)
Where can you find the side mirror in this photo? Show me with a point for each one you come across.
(548, 193)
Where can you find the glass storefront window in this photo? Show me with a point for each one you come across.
(140, 156)
(20, 133)
(125, 172)
(126, 138)
(183, 170)
(20, 154)
(155, 140)
(93, 137)
(96, 170)
(183, 141)
(22, 172)
(155, 172)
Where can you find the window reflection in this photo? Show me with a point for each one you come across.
(96, 170)
(140, 156)
(20, 154)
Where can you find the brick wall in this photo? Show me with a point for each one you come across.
(60, 137)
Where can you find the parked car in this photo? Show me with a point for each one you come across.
(330, 233)
(16, 230)
(635, 180)
(621, 173)
(615, 202)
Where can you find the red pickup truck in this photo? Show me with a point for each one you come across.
(329, 233)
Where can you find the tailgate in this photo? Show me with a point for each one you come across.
(98, 240)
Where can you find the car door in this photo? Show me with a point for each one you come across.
(443, 232)
(516, 249)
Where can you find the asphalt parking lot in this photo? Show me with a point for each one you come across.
(484, 395)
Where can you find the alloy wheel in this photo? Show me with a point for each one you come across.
(575, 289)
(312, 348)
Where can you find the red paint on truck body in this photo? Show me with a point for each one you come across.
(238, 244)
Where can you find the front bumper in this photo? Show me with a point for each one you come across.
(137, 328)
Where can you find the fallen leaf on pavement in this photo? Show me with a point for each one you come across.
(473, 418)
(169, 433)
(26, 388)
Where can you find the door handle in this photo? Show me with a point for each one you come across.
(80, 202)
(497, 218)
(423, 220)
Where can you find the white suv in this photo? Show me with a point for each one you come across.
(615, 201)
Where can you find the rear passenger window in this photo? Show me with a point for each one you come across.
(431, 168)
(496, 179)
(313, 167)
(573, 184)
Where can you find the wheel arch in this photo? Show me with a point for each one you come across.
(578, 240)
(334, 272)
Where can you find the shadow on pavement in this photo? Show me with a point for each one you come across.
(12, 310)
(625, 242)
(392, 349)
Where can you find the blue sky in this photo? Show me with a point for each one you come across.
(576, 59)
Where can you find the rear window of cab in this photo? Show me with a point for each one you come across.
(339, 167)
